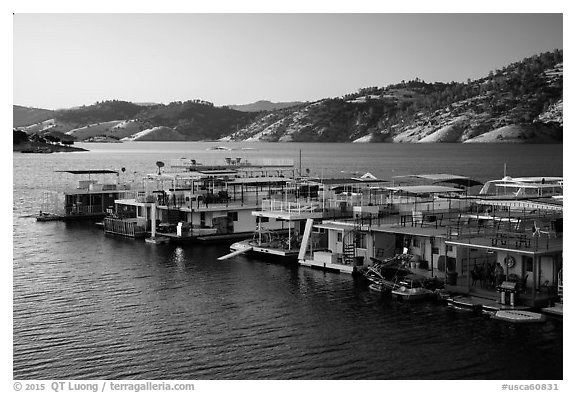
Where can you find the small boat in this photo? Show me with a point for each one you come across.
(411, 288)
(43, 216)
(519, 316)
(270, 243)
(464, 303)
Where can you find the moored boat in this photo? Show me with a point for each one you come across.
(43, 216)
(519, 316)
(412, 288)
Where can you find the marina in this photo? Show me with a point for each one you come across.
(442, 238)
(386, 218)
(327, 194)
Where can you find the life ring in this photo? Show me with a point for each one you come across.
(510, 261)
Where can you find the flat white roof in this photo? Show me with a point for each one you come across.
(424, 189)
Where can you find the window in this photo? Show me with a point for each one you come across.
(416, 242)
(233, 216)
(339, 237)
(449, 248)
(529, 263)
(264, 219)
(435, 250)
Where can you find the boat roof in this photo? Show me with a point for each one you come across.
(528, 180)
(333, 182)
(526, 185)
(218, 171)
(259, 180)
(434, 176)
(88, 171)
(445, 178)
(537, 178)
(424, 189)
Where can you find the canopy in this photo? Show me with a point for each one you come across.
(462, 182)
(430, 189)
(446, 178)
(89, 171)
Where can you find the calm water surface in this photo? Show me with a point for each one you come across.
(91, 306)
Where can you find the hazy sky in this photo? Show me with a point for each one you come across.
(65, 60)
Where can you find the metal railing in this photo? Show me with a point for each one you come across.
(290, 207)
(510, 239)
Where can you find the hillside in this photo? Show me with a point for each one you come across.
(521, 103)
(23, 116)
(177, 121)
(263, 106)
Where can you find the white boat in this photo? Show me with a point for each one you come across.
(523, 187)
(267, 242)
(411, 289)
(519, 316)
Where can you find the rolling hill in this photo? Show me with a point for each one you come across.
(263, 106)
(521, 103)
(526, 95)
(23, 116)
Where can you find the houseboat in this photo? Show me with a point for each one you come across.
(207, 201)
(459, 238)
(407, 217)
(310, 198)
(92, 198)
(283, 243)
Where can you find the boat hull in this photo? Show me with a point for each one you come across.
(411, 294)
(519, 316)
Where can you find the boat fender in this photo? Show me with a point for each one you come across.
(510, 261)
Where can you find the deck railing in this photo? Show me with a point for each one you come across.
(84, 210)
(290, 207)
(510, 239)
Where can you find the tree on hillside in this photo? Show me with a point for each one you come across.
(19, 137)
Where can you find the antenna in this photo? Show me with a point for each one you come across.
(300, 169)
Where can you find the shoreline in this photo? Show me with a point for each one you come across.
(39, 147)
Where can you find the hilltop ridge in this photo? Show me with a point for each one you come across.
(521, 103)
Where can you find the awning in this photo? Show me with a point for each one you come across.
(424, 189)
(466, 182)
(434, 176)
(89, 171)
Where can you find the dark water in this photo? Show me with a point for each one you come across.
(91, 306)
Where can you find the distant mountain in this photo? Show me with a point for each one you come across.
(186, 121)
(24, 116)
(521, 103)
(262, 106)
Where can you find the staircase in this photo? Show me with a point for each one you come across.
(349, 247)
(349, 253)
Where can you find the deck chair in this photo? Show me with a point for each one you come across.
(545, 287)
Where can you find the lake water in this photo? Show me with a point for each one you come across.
(91, 306)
